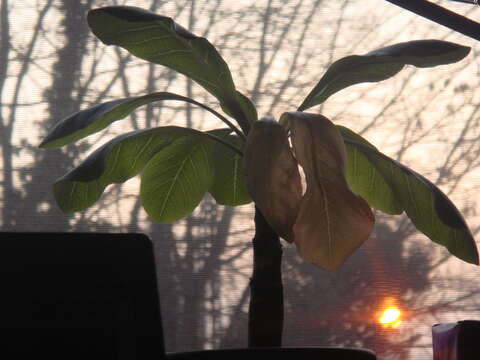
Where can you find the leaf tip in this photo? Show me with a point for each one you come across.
(43, 145)
(472, 257)
(49, 143)
(103, 29)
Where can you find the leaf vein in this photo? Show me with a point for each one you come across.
(137, 29)
(235, 184)
(174, 181)
(327, 218)
(144, 41)
(170, 52)
(410, 193)
(142, 150)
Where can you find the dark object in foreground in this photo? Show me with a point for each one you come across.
(456, 341)
(305, 353)
(78, 296)
(94, 296)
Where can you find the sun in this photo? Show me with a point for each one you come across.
(391, 317)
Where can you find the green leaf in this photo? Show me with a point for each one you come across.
(160, 40)
(97, 118)
(424, 53)
(115, 162)
(247, 107)
(175, 180)
(365, 179)
(396, 187)
(382, 64)
(229, 183)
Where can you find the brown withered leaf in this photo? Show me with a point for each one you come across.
(273, 178)
(332, 221)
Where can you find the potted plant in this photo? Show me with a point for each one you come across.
(258, 160)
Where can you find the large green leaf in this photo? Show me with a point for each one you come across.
(175, 180)
(94, 119)
(229, 184)
(392, 187)
(160, 40)
(365, 179)
(115, 162)
(382, 64)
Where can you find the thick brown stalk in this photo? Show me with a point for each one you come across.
(266, 289)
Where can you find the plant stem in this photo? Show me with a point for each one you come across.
(266, 289)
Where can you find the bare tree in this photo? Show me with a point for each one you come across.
(8, 115)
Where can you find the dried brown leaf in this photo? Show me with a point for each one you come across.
(332, 221)
(273, 178)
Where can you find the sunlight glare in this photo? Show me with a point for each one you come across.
(391, 317)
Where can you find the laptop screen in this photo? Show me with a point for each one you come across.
(79, 296)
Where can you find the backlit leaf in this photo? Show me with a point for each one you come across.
(365, 179)
(273, 179)
(229, 184)
(332, 221)
(160, 40)
(115, 162)
(98, 117)
(398, 188)
(382, 64)
(175, 180)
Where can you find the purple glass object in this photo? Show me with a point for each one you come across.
(456, 341)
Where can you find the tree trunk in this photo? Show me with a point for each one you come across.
(266, 289)
(62, 101)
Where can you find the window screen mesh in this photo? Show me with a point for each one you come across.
(51, 66)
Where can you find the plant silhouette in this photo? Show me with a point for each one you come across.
(258, 160)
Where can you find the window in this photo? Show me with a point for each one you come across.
(51, 66)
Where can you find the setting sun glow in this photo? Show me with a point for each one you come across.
(390, 317)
